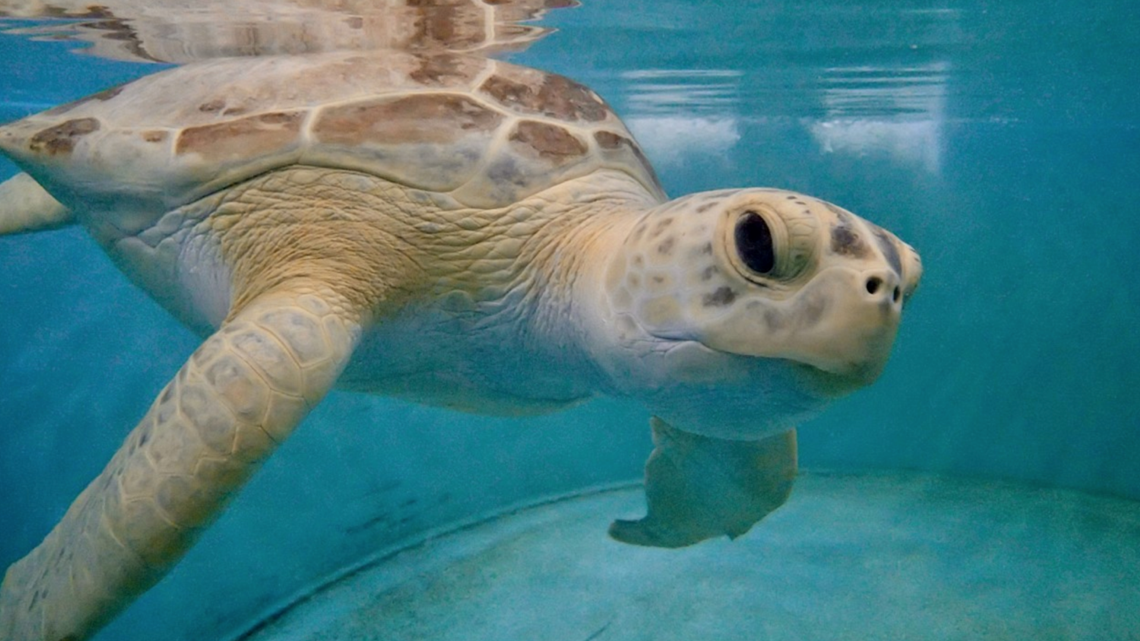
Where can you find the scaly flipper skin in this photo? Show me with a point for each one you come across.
(238, 396)
(700, 488)
(26, 207)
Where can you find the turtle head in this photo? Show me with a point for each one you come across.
(770, 274)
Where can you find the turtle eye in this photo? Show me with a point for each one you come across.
(754, 243)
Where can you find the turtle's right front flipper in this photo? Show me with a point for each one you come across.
(699, 487)
(239, 395)
(26, 207)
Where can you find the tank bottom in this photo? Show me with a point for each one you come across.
(850, 556)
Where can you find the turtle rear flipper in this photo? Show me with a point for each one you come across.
(237, 397)
(26, 207)
(699, 487)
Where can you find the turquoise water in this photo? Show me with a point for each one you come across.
(1002, 140)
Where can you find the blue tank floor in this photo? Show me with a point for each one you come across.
(866, 556)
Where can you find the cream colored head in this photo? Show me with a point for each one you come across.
(768, 273)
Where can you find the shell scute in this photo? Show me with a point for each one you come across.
(421, 118)
(430, 141)
(546, 141)
(533, 92)
(233, 140)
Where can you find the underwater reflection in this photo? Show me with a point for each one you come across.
(173, 31)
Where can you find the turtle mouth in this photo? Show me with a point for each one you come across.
(837, 380)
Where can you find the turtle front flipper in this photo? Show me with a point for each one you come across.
(239, 395)
(26, 207)
(699, 487)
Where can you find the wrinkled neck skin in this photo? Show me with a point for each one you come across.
(685, 383)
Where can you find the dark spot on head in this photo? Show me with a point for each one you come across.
(811, 311)
(659, 228)
(792, 197)
(638, 261)
(707, 249)
(550, 142)
(773, 319)
(887, 246)
(721, 297)
(659, 279)
(61, 138)
(666, 247)
(154, 136)
(354, 22)
(234, 111)
(213, 106)
(708, 272)
(707, 206)
(845, 242)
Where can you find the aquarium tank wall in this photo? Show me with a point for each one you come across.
(1001, 140)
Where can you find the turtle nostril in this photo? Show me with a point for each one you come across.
(873, 284)
(897, 293)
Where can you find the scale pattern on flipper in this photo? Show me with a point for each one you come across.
(239, 395)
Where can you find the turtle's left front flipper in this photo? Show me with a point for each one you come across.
(699, 487)
(26, 207)
(239, 395)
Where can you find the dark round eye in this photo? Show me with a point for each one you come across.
(754, 243)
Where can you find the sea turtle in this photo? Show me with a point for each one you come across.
(453, 230)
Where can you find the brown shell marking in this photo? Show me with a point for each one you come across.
(611, 143)
(61, 138)
(242, 138)
(549, 142)
(446, 25)
(555, 97)
(428, 118)
(445, 70)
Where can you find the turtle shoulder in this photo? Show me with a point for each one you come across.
(486, 132)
